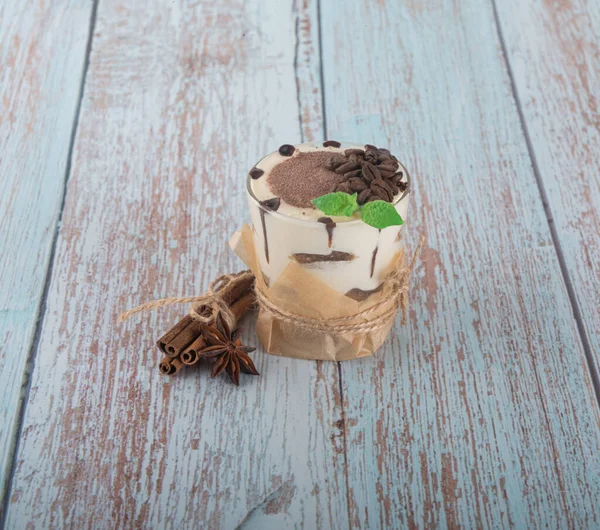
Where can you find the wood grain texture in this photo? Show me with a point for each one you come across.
(554, 51)
(42, 51)
(480, 413)
(181, 99)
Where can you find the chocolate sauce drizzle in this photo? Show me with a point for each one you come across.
(329, 226)
(269, 204)
(375, 255)
(373, 260)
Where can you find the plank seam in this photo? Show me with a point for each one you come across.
(344, 440)
(43, 303)
(321, 71)
(296, 51)
(577, 315)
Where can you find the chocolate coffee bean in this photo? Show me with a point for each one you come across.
(370, 172)
(386, 173)
(344, 168)
(256, 173)
(286, 150)
(332, 143)
(388, 166)
(344, 188)
(384, 185)
(349, 152)
(380, 193)
(363, 196)
(353, 174)
(357, 184)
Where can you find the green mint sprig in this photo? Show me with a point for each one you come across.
(379, 214)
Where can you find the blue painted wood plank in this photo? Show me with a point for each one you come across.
(181, 100)
(554, 51)
(42, 51)
(480, 412)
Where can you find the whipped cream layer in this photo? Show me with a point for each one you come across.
(345, 253)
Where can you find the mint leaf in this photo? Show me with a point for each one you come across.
(380, 214)
(338, 203)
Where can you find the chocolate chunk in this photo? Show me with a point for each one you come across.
(363, 196)
(353, 174)
(332, 143)
(256, 173)
(359, 295)
(348, 166)
(357, 184)
(271, 204)
(370, 172)
(286, 150)
(335, 255)
(349, 152)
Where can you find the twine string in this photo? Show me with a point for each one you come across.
(204, 307)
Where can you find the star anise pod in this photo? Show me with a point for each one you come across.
(226, 351)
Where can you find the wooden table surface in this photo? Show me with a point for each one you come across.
(126, 132)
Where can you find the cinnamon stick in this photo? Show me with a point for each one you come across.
(242, 304)
(191, 355)
(183, 339)
(170, 366)
(172, 333)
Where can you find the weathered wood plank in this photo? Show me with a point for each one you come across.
(480, 412)
(181, 99)
(42, 52)
(554, 51)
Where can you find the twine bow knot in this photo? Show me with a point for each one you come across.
(205, 307)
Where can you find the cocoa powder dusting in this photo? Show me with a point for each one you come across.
(303, 177)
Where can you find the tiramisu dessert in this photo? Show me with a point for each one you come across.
(333, 208)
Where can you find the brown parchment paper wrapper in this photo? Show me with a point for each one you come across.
(298, 291)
